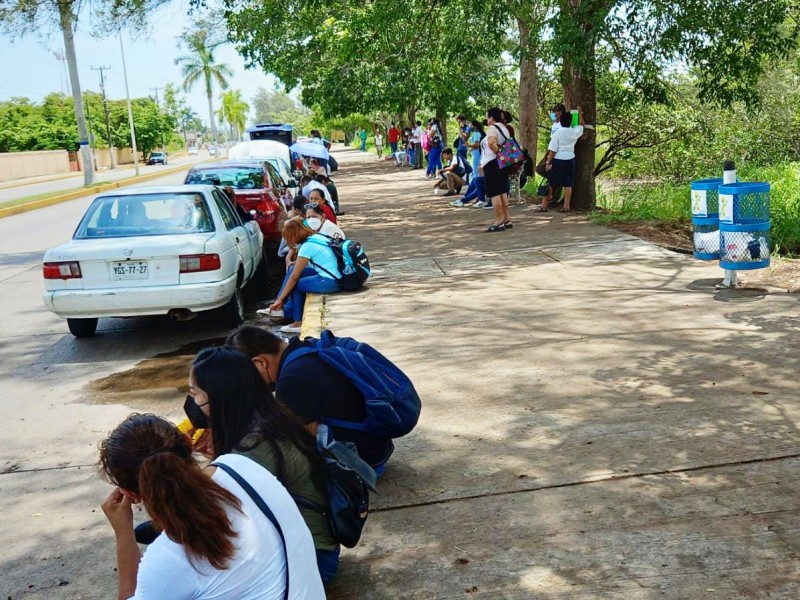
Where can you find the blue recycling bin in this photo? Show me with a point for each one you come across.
(744, 225)
(705, 218)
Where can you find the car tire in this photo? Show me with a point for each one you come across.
(82, 327)
(233, 312)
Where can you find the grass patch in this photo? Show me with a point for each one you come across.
(669, 203)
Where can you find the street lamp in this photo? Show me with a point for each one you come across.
(130, 109)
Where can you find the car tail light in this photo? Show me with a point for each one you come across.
(193, 263)
(62, 270)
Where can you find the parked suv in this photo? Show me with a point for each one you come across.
(157, 158)
(257, 188)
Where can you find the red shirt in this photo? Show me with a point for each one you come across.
(394, 135)
(329, 214)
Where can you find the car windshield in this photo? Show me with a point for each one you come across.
(240, 178)
(157, 154)
(145, 214)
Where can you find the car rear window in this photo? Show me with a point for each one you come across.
(239, 178)
(145, 214)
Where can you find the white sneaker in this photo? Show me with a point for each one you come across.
(479, 205)
(458, 203)
(266, 312)
(290, 329)
(436, 191)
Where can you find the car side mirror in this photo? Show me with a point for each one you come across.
(297, 173)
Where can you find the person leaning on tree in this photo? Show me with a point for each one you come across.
(560, 159)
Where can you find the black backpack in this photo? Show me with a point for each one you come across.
(351, 261)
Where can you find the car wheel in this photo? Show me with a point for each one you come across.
(233, 311)
(82, 327)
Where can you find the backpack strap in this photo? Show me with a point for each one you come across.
(267, 513)
(326, 245)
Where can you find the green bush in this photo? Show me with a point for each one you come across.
(669, 202)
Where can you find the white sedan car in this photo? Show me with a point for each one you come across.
(169, 250)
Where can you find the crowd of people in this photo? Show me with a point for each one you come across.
(251, 524)
(470, 166)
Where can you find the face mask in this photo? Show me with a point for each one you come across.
(553, 117)
(197, 417)
(314, 223)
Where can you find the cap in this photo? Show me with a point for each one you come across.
(559, 108)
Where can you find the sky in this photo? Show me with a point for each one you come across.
(30, 68)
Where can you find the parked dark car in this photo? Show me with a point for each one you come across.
(156, 158)
(257, 188)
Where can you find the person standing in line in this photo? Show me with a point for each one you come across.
(496, 179)
(462, 141)
(560, 160)
(379, 143)
(417, 138)
(437, 144)
(362, 135)
(474, 145)
(393, 136)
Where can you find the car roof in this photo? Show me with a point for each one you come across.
(158, 189)
(228, 163)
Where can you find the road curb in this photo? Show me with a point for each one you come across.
(83, 192)
(313, 316)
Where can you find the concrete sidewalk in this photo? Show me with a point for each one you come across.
(598, 422)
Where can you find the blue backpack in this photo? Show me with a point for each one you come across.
(392, 403)
(351, 261)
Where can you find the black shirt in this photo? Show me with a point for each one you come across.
(315, 390)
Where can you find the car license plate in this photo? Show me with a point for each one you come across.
(125, 271)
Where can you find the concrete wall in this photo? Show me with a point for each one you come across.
(16, 165)
(103, 161)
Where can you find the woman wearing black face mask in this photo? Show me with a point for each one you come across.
(245, 418)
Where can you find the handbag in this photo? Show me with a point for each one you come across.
(267, 513)
(509, 153)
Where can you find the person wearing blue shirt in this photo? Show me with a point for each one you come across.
(463, 137)
(315, 271)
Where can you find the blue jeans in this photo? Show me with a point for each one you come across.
(363, 145)
(434, 160)
(410, 154)
(328, 564)
(310, 282)
(393, 146)
(476, 189)
(476, 161)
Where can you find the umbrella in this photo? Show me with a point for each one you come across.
(310, 149)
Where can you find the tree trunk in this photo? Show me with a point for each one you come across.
(579, 91)
(412, 117)
(528, 136)
(67, 18)
(211, 111)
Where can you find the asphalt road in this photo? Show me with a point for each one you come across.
(32, 188)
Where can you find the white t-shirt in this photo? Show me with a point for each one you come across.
(257, 570)
(563, 141)
(331, 229)
(416, 135)
(378, 139)
(316, 185)
(500, 134)
(556, 126)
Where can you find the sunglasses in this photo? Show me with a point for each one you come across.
(311, 205)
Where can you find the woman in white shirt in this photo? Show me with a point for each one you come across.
(216, 541)
(560, 159)
(496, 179)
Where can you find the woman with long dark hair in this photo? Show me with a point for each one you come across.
(244, 417)
(216, 541)
(437, 144)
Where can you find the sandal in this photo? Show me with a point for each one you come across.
(508, 225)
(494, 228)
(564, 210)
(541, 209)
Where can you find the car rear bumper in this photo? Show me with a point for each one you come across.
(141, 301)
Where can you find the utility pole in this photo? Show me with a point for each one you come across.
(158, 105)
(130, 109)
(105, 109)
(90, 136)
(62, 58)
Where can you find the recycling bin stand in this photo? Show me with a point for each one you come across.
(744, 226)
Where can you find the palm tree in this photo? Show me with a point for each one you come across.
(199, 64)
(234, 110)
